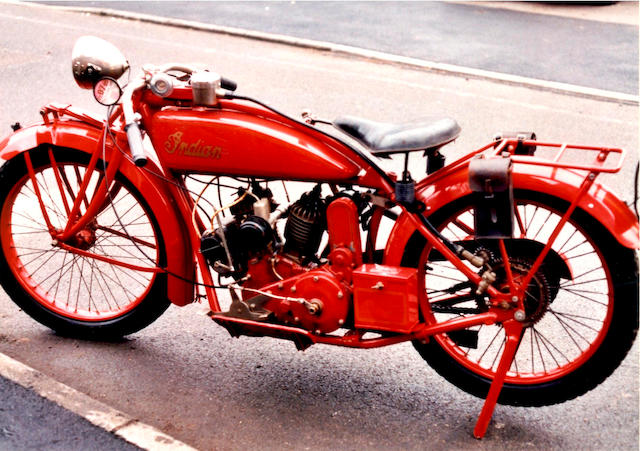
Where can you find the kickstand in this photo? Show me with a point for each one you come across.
(513, 330)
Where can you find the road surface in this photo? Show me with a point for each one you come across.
(536, 43)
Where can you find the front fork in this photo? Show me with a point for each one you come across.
(70, 237)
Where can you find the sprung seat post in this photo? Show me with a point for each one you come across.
(406, 187)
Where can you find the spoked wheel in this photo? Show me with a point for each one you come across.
(580, 308)
(99, 283)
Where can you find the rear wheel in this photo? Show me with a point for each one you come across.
(581, 307)
(75, 294)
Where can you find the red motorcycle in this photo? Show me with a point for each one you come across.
(511, 270)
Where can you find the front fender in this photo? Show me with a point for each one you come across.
(599, 202)
(86, 137)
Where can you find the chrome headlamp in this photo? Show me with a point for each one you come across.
(94, 58)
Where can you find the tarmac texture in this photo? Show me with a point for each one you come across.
(590, 53)
(29, 422)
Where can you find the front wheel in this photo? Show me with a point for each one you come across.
(581, 306)
(115, 293)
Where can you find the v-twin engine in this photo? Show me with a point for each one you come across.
(288, 281)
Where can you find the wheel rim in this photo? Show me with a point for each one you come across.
(562, 335)
(75, 286)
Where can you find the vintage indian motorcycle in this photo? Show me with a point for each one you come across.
(512, 271)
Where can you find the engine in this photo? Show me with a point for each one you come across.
(229, 249)
(305, 225)
(250, 236)
(308, 291)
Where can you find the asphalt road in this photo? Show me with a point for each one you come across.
(29, 422)
(587, 53)
(187, 377)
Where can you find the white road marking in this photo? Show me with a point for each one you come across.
(338, 48)
(101, 415)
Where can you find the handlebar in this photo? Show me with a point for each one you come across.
(228, 84)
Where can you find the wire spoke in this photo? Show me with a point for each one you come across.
(39, 253)
(528, 223)
(22, 226)
(573, 284)
(586, 272)
(53, 206)
(572, 318)
(135, 239)
(57, 271)
(542, 225)
(33, 272)
(129, 272)
(544, 367)
(495, 358)
(567, 328)
(29, 218)
(546, 346)
(490, 344)
(560, 248)
(581, 255)
(575, 247)
(523, 231)
(57, 285)
(100, 285)
(445, 277)
(129, 254)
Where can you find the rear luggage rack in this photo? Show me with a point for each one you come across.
(562, 155)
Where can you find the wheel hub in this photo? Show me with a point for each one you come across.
(85, 238)
(537, 295)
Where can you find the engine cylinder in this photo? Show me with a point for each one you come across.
(246, 239)
(306, 222)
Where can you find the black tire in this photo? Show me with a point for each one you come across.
(82, 297)
(613, 337)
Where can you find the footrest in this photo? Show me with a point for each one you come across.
(238, 326)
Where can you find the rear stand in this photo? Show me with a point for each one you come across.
(513, 330)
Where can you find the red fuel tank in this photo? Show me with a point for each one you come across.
(232, 142)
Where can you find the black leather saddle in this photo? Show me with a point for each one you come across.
(385, 139)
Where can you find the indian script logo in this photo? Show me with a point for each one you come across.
(175, 144)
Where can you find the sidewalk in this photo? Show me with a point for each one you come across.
(31, 422)
(40, 413)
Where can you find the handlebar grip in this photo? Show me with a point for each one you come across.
(227, 84)
(134, 136)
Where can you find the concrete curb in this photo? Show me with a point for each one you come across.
(450, 69)
(101, 415)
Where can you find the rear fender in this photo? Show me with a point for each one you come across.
(599, 202)
(86, 137)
